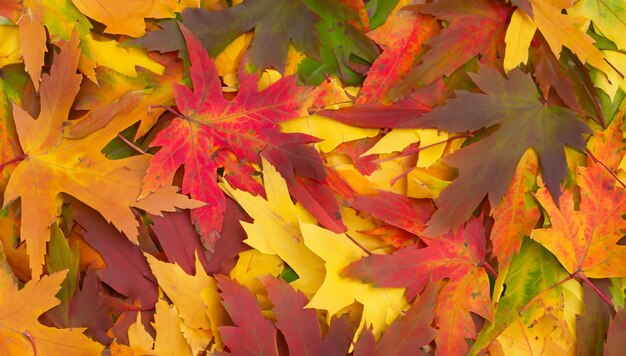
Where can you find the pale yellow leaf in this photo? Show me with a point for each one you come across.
(518, 36)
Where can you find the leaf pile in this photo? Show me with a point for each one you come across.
(386, 177)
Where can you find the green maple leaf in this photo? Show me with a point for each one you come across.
(487, 166)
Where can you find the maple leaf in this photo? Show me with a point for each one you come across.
(517, 215)
(563, 30)
(615, 342)
(252, 333)
(281, 217)
(524, 122)
(32, 42)
(127, 18)
(407, 334)
(19, 313)
(244, 126)
(276, 24)
(190, 294)
(475, 27)
(525, 292)
(608, 16)
(53, 164)
(301, 327)
(380, 305)
(401, 38)
(585, 239)
(345, 51)
(460, 258)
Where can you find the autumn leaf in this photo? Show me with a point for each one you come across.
(406, 334)
(240, 127)
(524, 122)
(517, 215)
(402, 37)
(459, 257)
(474, 27)
(301, 326)
(53, 164)
(277, 24)
(615, 341)
(127, 18)
(527, 292)
(252, 333)
(20, 310)
(561, 30)
(585, 239)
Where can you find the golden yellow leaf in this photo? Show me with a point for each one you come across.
(186, 292)
(253, 264)
(9, 46)
(380, 305)
(564, 30)
(126, 17)
(108, 53)
(169, 339)
(276, 229)
(518, 36)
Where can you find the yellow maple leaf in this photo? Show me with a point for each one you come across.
(276, 228)
(564, 30)
(518, 36)
(196, 299)
(126, 17)
(54, 163)
(19, 313)
(380, 305)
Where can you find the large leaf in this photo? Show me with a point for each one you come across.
(585, 239)
(474, 27)
(214, 132)
(486, 167)
(55, 164)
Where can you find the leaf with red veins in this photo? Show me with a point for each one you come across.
(401, 37)
(452, 256)
(586, 239)
(246, 126)
(469, 294)
(516, 216)
(239, 173)
(475, 27)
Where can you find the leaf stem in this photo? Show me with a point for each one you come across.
(595, 289)
(13, 160)
(416, 150)
(605, 167)
(167, 108)
(523, 310)
(132, 145)
(489, 269)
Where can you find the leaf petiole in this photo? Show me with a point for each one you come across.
(13, 160)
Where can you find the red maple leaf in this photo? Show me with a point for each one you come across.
(214, 132)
